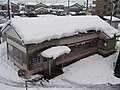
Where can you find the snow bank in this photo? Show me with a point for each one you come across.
(39, 29)
(55, 52)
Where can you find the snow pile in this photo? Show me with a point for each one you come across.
(55, 52)
(39, 29)
(92, 70)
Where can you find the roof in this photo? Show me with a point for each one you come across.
(39, 29)
(55, 52)
(31, 3)
(65, 4)
(113, 18)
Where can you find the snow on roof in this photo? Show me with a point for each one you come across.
(55, 52)
(30, 3)
(65, 4)
(113, 18)
(39, 29)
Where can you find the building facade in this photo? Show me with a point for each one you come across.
(105, 7)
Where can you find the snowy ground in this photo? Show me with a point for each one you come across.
(91, 73)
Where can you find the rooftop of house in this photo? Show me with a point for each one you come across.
(39, 29)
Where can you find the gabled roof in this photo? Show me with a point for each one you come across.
(41, 4)
(39, 29)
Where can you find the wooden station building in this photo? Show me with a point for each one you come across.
(84, 35)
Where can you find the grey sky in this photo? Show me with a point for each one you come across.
(51, 1)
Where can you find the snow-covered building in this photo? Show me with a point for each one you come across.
(28, 38)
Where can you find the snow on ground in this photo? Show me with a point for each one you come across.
(88, 71)
(92, 70)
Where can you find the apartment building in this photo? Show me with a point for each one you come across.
(105, 7)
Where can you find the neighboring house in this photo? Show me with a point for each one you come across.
(76, 8)
(84, 35)
(14, 7)
(73, 7)
(114, 22)
(38, 5)
(41, 8)
(30, 7)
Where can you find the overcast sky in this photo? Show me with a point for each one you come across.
(51, 1)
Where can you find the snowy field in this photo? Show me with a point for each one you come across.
(91, 73)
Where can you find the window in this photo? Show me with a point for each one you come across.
(73, 48)
(10, 49)
(16, 53)
(103, 43)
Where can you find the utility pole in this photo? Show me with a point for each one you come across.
(68, 7)
(87, 7)
(9, 10)
(112, 11)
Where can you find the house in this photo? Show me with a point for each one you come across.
(30, 7)
(83, 35)
(41, 8)
(14, 7)
(64, 8)
(114, 22)
(38, 5)
(73, 7)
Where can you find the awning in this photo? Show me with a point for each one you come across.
(55, 52)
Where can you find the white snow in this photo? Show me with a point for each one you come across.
(113, 18)
(55, 52)
(39, 29)
(91, 70)
(31, 3)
